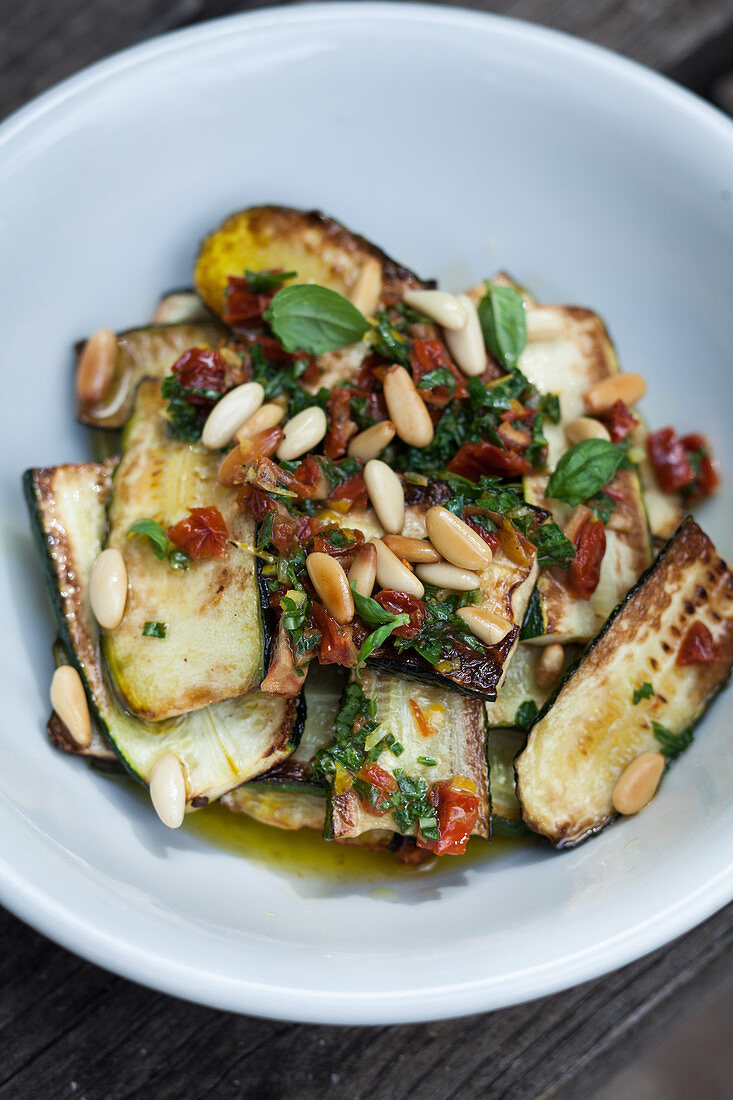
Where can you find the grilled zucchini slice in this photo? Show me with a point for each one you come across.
(569, 363)
(520, 687)
(215, 633)
(147, 352)
(220, 746)
(318, 248)
(457, 744)
(591, 729)
(506, 813)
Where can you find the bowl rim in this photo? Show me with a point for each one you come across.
(39, 908)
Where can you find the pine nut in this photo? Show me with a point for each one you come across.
(331, 584)
(372, 441)
(466, 345)
(108, 588)
(363, 572)
(168, 790)
(267, 416)
(229, 414)
(585, 427)
(456, 541)
(96, 366)
(444, 575)
(438, 306)
(638, 783)
(367, 289)
(302, 433)
(386, 494)
(229, 466)
(488, 627)
(543, 325)
(394, 574)
(625, 386)
(406, 408)
(408, 549)
(549, 666)
(69, 700)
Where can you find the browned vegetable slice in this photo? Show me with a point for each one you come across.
(317, 247)
(604, 715)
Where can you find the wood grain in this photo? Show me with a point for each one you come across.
(68, 1028)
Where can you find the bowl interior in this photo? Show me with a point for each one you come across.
(461, 144)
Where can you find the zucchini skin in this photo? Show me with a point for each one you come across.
(688, 540)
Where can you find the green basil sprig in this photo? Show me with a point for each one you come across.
(503, 323)
(584, 470)
(314, 319)
(374, 614)
(159, 542)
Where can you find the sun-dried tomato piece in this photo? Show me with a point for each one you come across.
(457, 810)
(430, 355)
(343, 554)
(381, 785)
(403, 603)
(475, 460)
(491, 538)
(706, 480)
(340, 425)
(241, 305)
(337, 644)
(669, 460)
(584, 571)
(201, 369)
(698, 646)
(353, 489)
(203, 534)
(619, 420)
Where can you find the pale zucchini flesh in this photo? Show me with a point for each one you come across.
(569, 364)
(147, 352)
(214, 644)
(591, 729)
(503, 748)
(220, 746)
(458, 746)
(520, 686)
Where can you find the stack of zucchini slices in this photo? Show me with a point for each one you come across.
(387, 555)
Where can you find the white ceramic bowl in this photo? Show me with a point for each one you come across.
(460, 143)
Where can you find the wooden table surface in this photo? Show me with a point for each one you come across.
(68, 1028)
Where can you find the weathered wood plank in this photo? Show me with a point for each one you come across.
(41, 42)
(66, 1021)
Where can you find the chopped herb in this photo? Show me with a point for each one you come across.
(441, 376)
(397, 748)
(503, 323)
(672, 744)
(526, 714)
(263, 282)
(153, 629)
(264, 534)
(427, 761)
(553, 547)
(388, 342)
(410, 806)
(154, 533)
(646, 691)
(549, 405)
(602, 506)
(310, 318)
(275, 378)
(584, 470)
(355, 721)
(159, 542)
(186, 420)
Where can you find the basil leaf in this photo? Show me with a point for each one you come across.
(262, 282)
(534, 621)
(503, 323)
(378, 636)
(584, 470)
(314, 319)
(153, 629)
(178, 560)
(672, 744)
(553, 547)
(441, 376)
(153, 532)
(372, 612)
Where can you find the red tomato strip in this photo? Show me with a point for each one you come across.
(203, 534)
(698, 647)
(584, 571)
